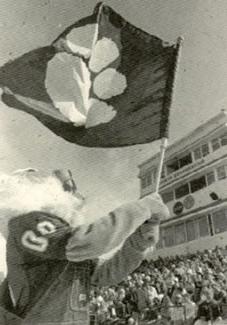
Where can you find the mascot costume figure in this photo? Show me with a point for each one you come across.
(53, 250)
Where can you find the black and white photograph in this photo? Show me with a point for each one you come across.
(113, 162)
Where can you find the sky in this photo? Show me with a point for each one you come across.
(108, 177)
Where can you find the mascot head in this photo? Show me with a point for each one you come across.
(30, 190)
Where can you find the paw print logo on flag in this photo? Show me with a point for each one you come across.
(102, 82)
(82, 79)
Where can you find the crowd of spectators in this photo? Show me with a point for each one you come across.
(190, 289)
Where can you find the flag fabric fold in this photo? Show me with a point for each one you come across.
(102, 83)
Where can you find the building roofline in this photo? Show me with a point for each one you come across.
(214, 119)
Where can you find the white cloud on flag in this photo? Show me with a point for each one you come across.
(68, 83)
(100, 112)
(109, 83)
(69, 110)
(105, 51)
(80, 39)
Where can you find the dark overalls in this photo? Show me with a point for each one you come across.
(65, 302)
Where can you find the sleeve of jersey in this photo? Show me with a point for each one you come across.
(93, 240)
(41, 235)
(116, 269)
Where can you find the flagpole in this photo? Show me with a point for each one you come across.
(163, 146)
(167, 107)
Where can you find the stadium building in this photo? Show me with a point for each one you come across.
(194, 186)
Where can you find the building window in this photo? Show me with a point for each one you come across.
(148, 177)
(159, 244)
(191, 229)
(172, 166)
(154, 175)
(205, 150)
(143, 182)
(182, 191)
(221, 172)
(202, 151)
(215, 144)
(220, 221)
(197, 154)
(198, 184)
(203, 226)
(169, 236)
(167, 196)
(224, 139)
(146, 180)
(210, 177)
(186, 160)
(180, 233)
(177, 163)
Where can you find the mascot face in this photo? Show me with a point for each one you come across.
(30, 190)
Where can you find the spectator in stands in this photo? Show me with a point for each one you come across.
(198, 289)
(178, 312)
(131, 321)
(166, 306)
(102, 310)
(209, 310)
(150, 291)
(154, 310)
(120, 309)
(190, 308)
(130, 300)
(141, 298)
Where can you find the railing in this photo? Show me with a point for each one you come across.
(171, 315)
